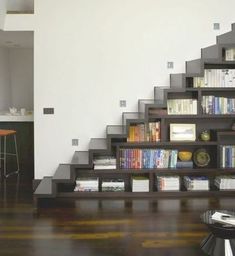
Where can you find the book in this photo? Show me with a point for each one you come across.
(184, 164)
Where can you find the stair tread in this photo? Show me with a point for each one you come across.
(44, 187)
(80, 158)
(152, 102)
(133, 115)
(98, 144)
(63, 172)
(116, 130)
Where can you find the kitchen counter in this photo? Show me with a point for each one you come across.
(7, 117)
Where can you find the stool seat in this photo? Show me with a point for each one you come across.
(6, 132)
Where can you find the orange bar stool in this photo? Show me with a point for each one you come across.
(3, 154)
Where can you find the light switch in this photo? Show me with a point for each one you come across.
(48, 111)
(216, 26)
(122, 103)
(170, 64)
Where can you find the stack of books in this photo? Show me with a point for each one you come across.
(113, 185)
(182, 107)
(104, 162)
(87, 184)
(184, 164)
(230, 54)
(140, 184)
(168, 183)
(196, 183)
(225, 182)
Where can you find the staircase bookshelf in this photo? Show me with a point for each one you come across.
(214, 111)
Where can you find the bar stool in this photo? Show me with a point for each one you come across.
(3, 155)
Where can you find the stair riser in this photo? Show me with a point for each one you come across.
(227, 38)
(194, 67)
(177, 81)
(211, 52)
(159, 94)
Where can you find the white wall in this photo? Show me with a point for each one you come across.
(20, 5)
(16, 78)
(3, 8)
(5, 88)
(90, 54)
(21, 77)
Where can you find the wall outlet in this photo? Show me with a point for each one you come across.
(170, 64)
(122, 103)
(75, 142)
(48, 111)
(216, 26)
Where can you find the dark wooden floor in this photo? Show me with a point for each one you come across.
(93, 227)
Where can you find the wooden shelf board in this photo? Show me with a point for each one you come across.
(162, 194)
(211, 89)
(166, 143)
(183, 171)
(191, 116)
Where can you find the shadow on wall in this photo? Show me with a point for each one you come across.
(20, 6)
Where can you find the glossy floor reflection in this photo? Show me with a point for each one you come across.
(101, 227)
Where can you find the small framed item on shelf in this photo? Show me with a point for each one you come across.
(182, 132)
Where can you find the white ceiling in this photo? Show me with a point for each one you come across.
(16, 39)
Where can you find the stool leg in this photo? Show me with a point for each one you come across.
(0, 157)
(17, 157)
(5, 156)
(0, 152)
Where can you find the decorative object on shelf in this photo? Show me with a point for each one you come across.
(182, 132)
(205, 135)
(13, 110)
(201, 157)
(185, 155)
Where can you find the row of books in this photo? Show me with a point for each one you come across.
(228, 156)
(225, 182)
(230, 54)
(218, 105)
(147, 158)
(215, 78)
(91, 184)
(182, 107)
(162, 183)
(144, 132)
